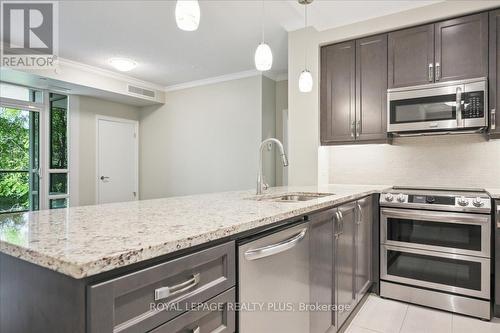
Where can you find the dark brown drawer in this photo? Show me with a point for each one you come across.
(143, 300)
(215, 316)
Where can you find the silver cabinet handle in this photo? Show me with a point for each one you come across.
(337, 225)
(353, 129)
(360, 213)
(270, 250)
(165, 292)
(431, 72)
(458, 107)
(438, 71)
(197, 330)
(358, 128)
(493, 119)
(341, 216)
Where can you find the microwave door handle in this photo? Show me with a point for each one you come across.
(458, 107)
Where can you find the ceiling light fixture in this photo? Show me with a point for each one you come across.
(123, 64)
(305, 78)
(263, 54)
(187, 14)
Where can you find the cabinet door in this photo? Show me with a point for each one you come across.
(364, 221)
(345, 263)
(337, 93)
(410, 53)
(494, 72)
(322, 290)
(371, 88)
(462, 48)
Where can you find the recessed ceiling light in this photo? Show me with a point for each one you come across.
(122, 64)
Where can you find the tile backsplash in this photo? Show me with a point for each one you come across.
(448, 161)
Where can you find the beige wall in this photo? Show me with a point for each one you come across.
(87, 108)
(281, 104)
(453, 161)
(204, 139)
(308, 162)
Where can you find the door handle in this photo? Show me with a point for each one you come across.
(337, 225)
(458, 107)
(341, 220)
(438, 71)
(165, 292)
(103, 178)
(353, 129)
(272, 249)
(431, 72)
(493, 119)
(358, 128)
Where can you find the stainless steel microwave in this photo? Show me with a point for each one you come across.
(433, 107)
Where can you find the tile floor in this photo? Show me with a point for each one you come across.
(386, 316)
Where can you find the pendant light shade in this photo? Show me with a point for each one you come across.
(187, 14)
(305, 78)
(263, 57)
(305, 81)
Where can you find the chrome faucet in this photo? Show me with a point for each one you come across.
(260, 183)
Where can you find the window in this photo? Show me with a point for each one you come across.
(58, 151)
(33, 149)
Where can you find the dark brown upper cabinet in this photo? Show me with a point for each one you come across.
(338, 73)
(461, 48)
(494, 73)
(353, 91)
(450, 50)
(371, 88)
(411, 56)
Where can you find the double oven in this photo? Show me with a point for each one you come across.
(435, 249)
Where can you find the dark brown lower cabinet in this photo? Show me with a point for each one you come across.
(340, 262)
(494, 73)
(353, 92)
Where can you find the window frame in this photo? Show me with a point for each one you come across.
(44, 171)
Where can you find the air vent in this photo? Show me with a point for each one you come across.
(151, 94)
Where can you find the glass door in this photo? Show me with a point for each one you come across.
(436, 270)
(19, 159)
(467, 234)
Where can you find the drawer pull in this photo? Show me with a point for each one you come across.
(197, 330)
(165, 292)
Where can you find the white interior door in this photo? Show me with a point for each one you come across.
(117, 160)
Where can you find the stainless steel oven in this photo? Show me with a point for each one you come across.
(435, 249)
(458, 233)
(433, 107)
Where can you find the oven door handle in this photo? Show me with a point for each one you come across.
(443, 217)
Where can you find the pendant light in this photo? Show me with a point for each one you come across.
(305, 78)
(263, 54)
(187, 14)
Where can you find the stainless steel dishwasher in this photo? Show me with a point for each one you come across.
(274, 282)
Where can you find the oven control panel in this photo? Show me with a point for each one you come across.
(470, 202)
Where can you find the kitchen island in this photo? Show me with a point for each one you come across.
(58, 267)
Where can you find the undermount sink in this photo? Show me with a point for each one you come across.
(292, 197)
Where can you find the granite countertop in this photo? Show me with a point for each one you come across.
(494, 192)
(88, 240)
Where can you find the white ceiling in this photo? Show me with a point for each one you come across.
(91, 32)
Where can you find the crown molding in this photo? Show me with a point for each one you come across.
(108, 73)
(211, 80)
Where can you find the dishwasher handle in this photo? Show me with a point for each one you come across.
(272, 249)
